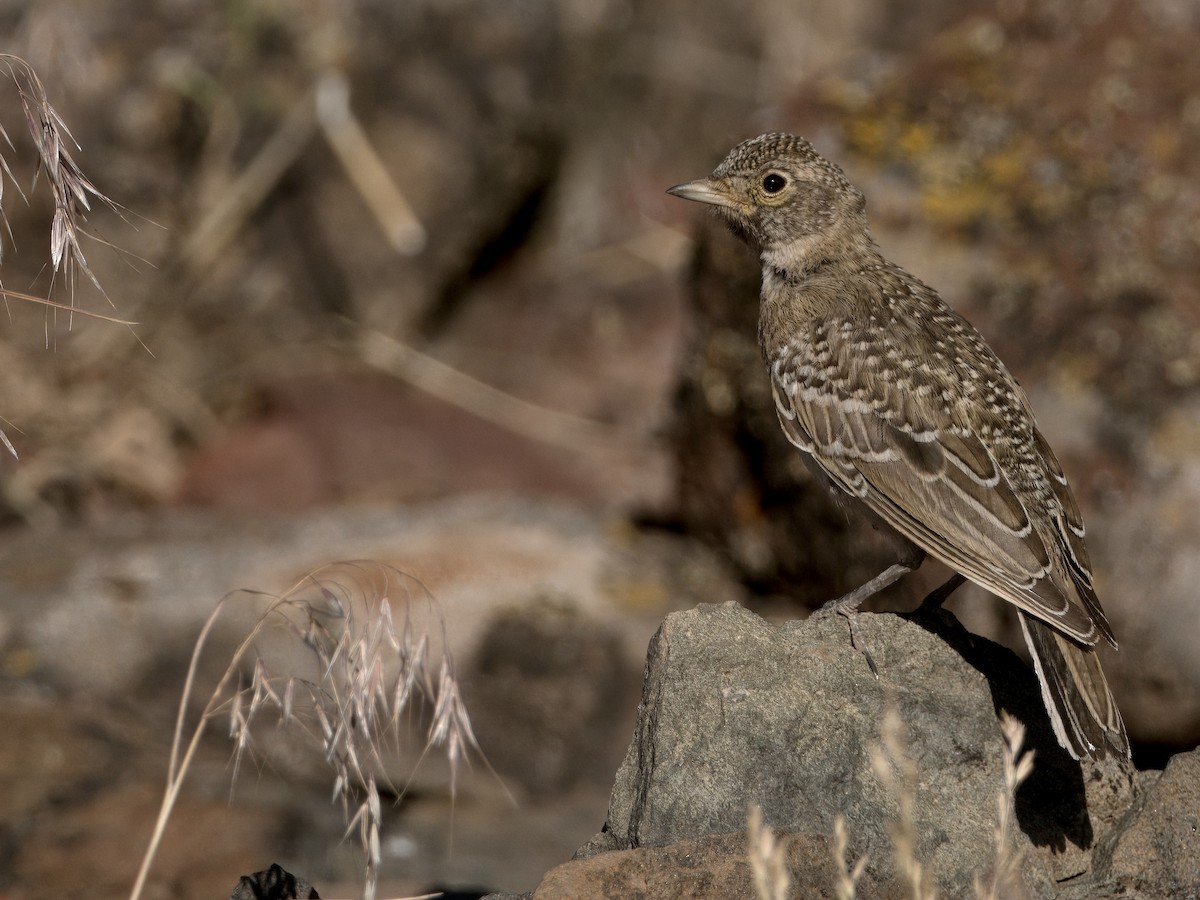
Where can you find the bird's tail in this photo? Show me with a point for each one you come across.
(1081, 707)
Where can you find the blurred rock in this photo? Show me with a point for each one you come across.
(1147, 539)
(101, 613)
(49, 751)
(93, 847)
(553, 696)
(107, 621)
(320, 439)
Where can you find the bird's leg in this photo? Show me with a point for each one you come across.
(847, 605)
(939, 595)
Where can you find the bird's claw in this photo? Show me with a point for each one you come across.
(850, 612)
(856, 639)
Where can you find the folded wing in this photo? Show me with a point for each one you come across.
(911, 453)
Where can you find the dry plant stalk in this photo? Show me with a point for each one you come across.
(768, 861)
(848, 878)
(531, 420)
(364, 167)
(370, 661)
(1006, 872)
(897, 771)
(71, 190)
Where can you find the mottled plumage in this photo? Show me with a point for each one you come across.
(900, 402)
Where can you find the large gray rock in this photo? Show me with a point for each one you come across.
(737, 711)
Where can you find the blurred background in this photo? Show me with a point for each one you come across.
(408, 287)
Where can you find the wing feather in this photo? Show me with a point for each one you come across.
(943, 486)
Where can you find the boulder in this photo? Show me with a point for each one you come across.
(737, 711)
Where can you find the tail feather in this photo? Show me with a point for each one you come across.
(1081, 707)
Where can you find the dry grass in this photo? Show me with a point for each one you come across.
(848, 876)
(897, 771)
(71, 190)
(1005, 880)
(768, 860)
(339, 659)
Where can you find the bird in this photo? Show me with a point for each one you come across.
(898, 402)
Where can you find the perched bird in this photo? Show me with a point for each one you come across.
(899, 402)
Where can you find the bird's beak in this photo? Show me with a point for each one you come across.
(704, 190)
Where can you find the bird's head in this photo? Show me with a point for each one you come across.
(778, 194)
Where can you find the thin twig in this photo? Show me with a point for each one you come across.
(487, 402)
(363, 166)
(1018, 765)
(176, 767)
(848, 877)
(897, 771)
(225, 219)
(66, 307)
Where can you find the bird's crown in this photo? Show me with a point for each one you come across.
(778, 148)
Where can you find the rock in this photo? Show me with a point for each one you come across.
(92, 847)
(50, 750)
(1151, 583)
(99, 612)
(325, 436)
(553, 695)
(1156, 853)
(737, 711)
(715, 865)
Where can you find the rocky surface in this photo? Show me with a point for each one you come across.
(715, 865)
(1155, 851)
(736, 711)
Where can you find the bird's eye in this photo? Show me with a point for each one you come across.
(774, 183)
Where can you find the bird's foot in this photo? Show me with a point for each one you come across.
(848, 606)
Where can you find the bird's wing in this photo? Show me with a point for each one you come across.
(885, 438)
(1070, 532)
